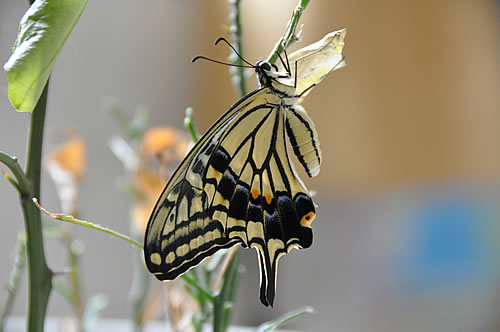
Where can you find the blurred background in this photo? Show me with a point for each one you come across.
(407, 233)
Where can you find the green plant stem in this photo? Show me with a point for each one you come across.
(23, 185)
(189, 125)
(140, 285)
(74, 275)
(224, 300)
(290, 35)
(39, 274)
(34, 161)
(15, 278)
(237, 73)
(205, 293)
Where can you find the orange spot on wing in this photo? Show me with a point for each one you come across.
(213, 172)
(268, 198)
(255, 193)
(307, 219)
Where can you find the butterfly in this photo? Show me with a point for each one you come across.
(238, 185)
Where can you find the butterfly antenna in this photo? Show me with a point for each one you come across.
(219, 62)
(234, 50)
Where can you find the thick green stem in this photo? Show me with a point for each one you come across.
(39, 274)
(34, 162)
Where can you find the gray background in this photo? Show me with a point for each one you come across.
(413, 119)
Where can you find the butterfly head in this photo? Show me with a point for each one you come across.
(266, 72)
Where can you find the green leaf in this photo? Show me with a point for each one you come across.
(43, 30)
(283, 319)
(201, 291)
(223, 304)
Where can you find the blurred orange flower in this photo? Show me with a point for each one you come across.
(164, 143)
(161, 149)
(66, 166)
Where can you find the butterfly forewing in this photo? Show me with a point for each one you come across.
(181, 230)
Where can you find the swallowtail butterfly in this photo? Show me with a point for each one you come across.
(237, 185)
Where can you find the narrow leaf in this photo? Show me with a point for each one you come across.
(224, 300)
(43, 30)
(284, 319)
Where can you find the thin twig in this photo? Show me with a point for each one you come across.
(72, 220)
(189, 125)
(74, 276)
(11, 180)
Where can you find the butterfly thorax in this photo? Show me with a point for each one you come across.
(268, 77)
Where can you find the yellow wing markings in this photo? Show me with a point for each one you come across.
(237, 184)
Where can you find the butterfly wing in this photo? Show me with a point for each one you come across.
(304, 139)
(237, 185)
(180, 231)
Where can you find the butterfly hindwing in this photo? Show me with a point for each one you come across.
(237, 185)
(304, 139)
(268, 202)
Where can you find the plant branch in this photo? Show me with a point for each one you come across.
(290, 35)
(235, 29)
(23, 184)
(72, 220)
(39, 274)
(75, 250)
(34, 161)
